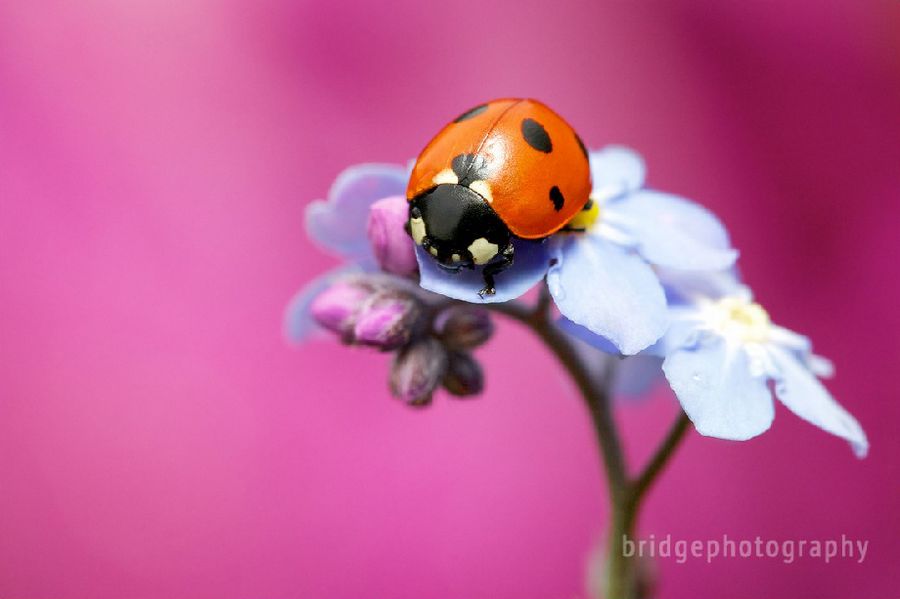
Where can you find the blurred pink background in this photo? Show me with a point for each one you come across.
(159, 439)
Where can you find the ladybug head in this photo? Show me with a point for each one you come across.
(457, 226)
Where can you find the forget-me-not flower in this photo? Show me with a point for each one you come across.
(721, 354)
(604, 279)
(339, 225)
(601, 274)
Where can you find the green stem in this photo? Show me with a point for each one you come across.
(664, 452)
(596, 396)
(622, 577)
(625, 494)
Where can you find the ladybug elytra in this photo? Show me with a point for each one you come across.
(511, 168)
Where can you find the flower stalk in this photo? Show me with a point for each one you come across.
(625, 493)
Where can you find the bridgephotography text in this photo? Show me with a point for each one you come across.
(710, 549)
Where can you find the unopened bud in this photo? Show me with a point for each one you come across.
(392, 246)
(388, 320)
(336, 307)
(464, 327)
(464, 376)
(417, 371)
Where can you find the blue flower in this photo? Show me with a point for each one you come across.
(635, 376)
(339, 226)
(721, 353)
(602, 278)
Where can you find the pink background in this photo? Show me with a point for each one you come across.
(159, 439)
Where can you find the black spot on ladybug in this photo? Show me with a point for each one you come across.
(589, 205)
(557, 198)
(536, 136)
(470, 113)
(470, 168)
(581, 145)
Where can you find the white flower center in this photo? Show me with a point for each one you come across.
(738, 318)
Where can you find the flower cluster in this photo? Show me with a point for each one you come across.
(373, 299)
(431, 341)
(646, 274)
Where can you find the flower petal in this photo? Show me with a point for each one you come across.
(805, 396)
(637, 375)
(691, 286)
(529, 267)
(685, 329)
(672, 231)
(610, 292)
(339, 223)
(801, 347)
(587, 336)
(634, 376)
(719, 394)
(615, 170)
(299, 325)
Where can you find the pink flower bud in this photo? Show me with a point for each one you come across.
(464, 376)
(463, 327)
(336, 308)
(388, 320)
(417, 371)
(392, 246)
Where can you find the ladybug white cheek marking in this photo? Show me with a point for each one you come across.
(446, 176)
(433, 251)
(483, 250)
(483, 189)
(417, 228)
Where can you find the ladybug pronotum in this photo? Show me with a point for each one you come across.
(510, 168)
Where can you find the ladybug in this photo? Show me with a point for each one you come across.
(511, 168)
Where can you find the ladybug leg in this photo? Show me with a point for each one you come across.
(506, 260)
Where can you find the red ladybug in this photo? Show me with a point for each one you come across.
(509, 168)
